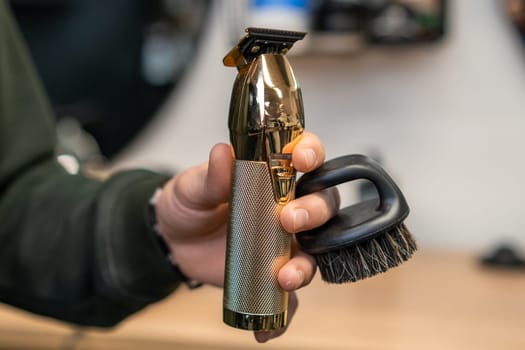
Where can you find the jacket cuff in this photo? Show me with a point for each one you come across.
(132, 264)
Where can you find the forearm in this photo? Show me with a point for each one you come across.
(79, 249)
(70, 247)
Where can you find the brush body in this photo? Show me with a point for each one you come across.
(366, 238)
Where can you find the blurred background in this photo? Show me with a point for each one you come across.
(433, 89)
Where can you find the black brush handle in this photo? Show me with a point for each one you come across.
(361, 221)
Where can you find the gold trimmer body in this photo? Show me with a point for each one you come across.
(266, 118)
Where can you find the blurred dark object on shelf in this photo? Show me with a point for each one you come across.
(505, 256)
(406, 21)
(515, 10)
(338, 26)
(110, 65)
(373, 22)
(339, 16)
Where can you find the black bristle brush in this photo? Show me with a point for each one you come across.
(363, 239)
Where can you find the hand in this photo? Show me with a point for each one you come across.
(192, 213)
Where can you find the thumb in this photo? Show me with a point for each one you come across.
(207, 185)
(218, 178)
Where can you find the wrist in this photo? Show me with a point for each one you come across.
(163, 244)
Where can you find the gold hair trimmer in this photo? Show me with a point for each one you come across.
(266, 119)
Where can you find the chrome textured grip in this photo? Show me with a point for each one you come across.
(257, 248)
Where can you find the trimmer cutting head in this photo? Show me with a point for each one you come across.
(259, 41)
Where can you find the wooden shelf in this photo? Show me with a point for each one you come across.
(437, 300)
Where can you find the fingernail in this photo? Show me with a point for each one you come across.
(300, 219)
(309, 157)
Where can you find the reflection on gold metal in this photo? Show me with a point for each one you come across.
(254, 322)
(283, 177)
(266, 120)
(266, 115)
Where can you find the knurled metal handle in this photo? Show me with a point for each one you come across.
(257, 247)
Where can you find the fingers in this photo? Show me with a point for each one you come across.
(208, 185)
(293, 303)
(297, 272)
(315, 209)
(308, 154)
(310, 211)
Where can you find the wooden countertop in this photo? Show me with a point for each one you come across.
(438, 300)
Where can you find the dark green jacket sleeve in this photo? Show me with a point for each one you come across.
(71, 248)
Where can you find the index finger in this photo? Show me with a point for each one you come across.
(309, 153)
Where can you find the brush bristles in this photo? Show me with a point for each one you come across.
(368, 258)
